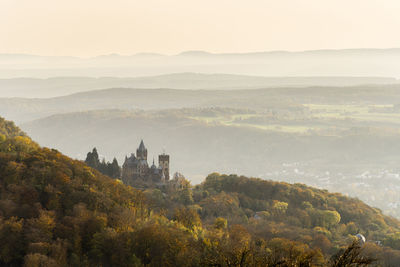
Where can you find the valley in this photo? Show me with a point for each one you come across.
(322, 136)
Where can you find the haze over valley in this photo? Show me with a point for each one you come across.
(332, 127)
(200, 133)
(339, 138)
(61, 86)
(341, 62)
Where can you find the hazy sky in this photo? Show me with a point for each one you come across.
(94, 27)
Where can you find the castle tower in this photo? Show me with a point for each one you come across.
(163, 161)
(141, 152)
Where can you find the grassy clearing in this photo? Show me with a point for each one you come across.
(319, 118)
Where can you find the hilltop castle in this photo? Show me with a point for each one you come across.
(136, 170)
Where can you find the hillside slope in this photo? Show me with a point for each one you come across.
(52, 205)
(55, 211)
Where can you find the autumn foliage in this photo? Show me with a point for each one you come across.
(56, 211)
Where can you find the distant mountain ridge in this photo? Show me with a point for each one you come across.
(206, 53)
(346, 62)
(59, 86)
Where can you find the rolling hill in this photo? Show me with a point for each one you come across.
(60, 86)
(286, 98)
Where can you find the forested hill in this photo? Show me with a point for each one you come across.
(56, 211)
(51, 206)
(8, 129)
(257, 194)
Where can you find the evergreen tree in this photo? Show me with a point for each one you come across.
(111, 169)
(115, 169)
(92, 159)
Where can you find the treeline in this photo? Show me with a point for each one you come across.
(111, 169)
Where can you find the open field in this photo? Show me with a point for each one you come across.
(315, 118)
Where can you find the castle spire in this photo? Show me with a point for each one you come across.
(141, 152)
(141, 146)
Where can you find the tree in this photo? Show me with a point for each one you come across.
(115, 170)
(185, 196)
(38, 260)
(393, 241)
(12, 243)
(280, 208)
(220, 223)
(111, 169)
(330, 218)
(188, 217)
(351, 256)
(92, 159)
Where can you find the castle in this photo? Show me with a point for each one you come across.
(136, 170)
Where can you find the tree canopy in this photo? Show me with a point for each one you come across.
(56, 211)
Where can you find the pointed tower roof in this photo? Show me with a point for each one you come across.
(141, 146)
(154, 165)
